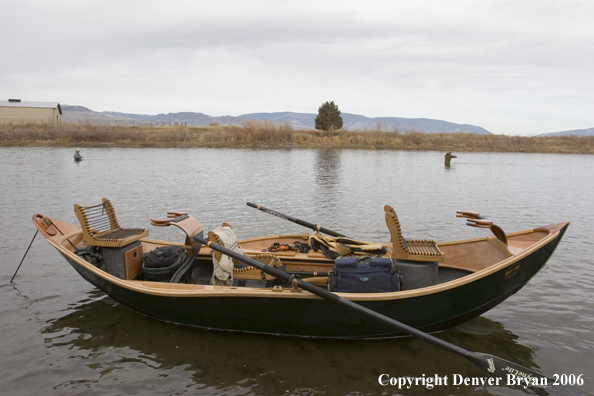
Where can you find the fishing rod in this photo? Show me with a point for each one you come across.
(311, 226)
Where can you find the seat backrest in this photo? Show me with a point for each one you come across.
(409, 249)
(101, 228)
(226, 237)
(399, 246)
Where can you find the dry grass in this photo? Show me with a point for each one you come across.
(269, 134)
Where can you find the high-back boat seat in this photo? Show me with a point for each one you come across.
(226, 237)
(410, 249)
(101, 228)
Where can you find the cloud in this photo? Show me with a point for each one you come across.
(448, 60)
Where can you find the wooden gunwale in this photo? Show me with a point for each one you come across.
(158, 242)
(182, 290)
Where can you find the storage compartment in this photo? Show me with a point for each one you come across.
(417, 274)
(123, 262)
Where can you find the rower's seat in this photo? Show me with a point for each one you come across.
(101, 228)
(410, 249)
(241, 270)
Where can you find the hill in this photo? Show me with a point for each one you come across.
(81, 114)
(575, 132)
(351, 122)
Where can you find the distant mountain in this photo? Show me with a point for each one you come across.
(140, 117)
(354, 121)
(298, 120)
(81, 114)
(575, 132)
(359, 122)
(196, 119)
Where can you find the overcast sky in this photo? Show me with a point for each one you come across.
(513, 67)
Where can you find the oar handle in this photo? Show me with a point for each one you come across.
(311, 226)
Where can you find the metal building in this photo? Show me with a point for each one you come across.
(15, 111)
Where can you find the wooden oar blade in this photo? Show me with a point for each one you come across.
(510, 372)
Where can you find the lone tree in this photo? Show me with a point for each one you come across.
(328, 118)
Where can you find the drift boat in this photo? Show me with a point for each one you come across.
(441, 284)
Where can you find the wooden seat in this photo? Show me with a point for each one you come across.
(240, 270)
(101, 228)
(410, 249)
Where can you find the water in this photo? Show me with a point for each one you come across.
(61, 336)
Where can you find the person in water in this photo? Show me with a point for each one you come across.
(448, 158)
(77, 156)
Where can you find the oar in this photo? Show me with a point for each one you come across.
(311, 226)
(489, 363)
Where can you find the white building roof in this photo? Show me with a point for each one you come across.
(42, 105)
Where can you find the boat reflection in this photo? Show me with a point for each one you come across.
(217, 361)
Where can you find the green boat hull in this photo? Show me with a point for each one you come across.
(304, 317)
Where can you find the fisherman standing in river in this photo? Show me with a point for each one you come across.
(448, 158)
(77, 156)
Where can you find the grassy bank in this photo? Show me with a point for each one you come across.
(266, 134)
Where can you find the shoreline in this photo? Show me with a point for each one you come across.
(268, 135)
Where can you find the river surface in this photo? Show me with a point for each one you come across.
(61, 336)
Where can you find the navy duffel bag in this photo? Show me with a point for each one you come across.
(363, 275)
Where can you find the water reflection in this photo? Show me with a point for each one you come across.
(327, 168)
(117, 344)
